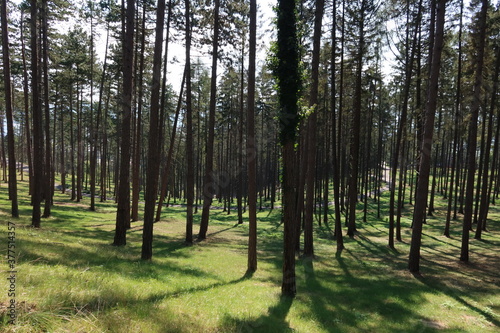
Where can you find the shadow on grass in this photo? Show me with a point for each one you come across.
(273, 321)
(439, 286)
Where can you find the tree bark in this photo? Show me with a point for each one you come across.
(37, 120)
(355, 127)
(335, 162)
(472, 138)
(27, 117)
(425, 152)
(209, 183)
(454, 154)
(289, 82)
(153, 166)
(189, 132)
(8, 112)
(399, 150)
(311, 147)
(136, 156)
(123, 207)
(47, 191)
(251, 145)
(485, 188)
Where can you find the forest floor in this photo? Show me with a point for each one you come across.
(68, 277)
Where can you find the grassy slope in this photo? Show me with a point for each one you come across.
(71, 280)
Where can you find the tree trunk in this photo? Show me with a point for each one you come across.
(8, 110)
(472, 138)
(355, 128)
(425, 157)
(239, 189)
(47, 192)
(251, 145)
(454, 154)
(37, 121)
(123, 208)
(189, 132)
(168, 165)
(311, 147)
(289, 82)
(485, 189)
(209, 183)
(335, 162)
(153, 166)
(136, 158)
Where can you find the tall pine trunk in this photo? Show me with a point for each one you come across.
(485, 188)
(251, 145)
(472, 138)
(209, 184)
(37, 120)
(311, 146)
(47, 191)
(136, 156)
(426, 148)
(123, 207)
(153, 166)
(8, 112)
(189, 132)
(355, 126)
(289, 82)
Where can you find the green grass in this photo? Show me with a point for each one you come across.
(70, 279)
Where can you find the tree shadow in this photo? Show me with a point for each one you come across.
(273, 321)
(438, 286)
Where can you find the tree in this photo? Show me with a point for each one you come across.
(26, 97)
(8, 109)
(48, 188)
(472, 136)
(123, 207)
(38, 163)
(251, 144)
(312, 128)
(189, 132)
(209, 184)
(153, 167)
(367, 8)
(398, 151)
(456, 130)
(335, 163)
(136, 155)
(288, 77)
(425, 150)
